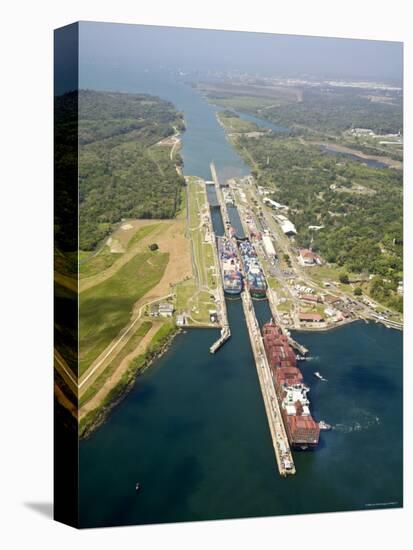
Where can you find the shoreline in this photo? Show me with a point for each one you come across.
(389, 162)
(99, 414)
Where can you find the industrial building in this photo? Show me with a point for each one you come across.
(310, 317)
(166, 309)
(287, 227)
(274, 204)
(268, 246)
(312, 298)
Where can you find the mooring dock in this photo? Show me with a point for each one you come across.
(225, 335)
(219, 296)
(221, 306)
(278, 434)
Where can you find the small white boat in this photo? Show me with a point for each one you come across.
(324, 426)
(318, 375)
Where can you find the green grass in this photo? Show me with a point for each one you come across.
(105, 258)
(182, 211)
(245, 102)
(141, 233)
(184, 292)
(285, 307)
(203, 304)
(237, 124)
(324, 273)
(195, 303)
(203, 252)
(111, 367)
(189, 297)
(101, 261)
(84, 254)
(274, 283)
(197, 200)
(106, 308)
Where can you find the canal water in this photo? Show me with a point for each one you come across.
(264, 123)
(193, 429)
(369, 162)
(235, 221)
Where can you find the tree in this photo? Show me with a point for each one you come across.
(358, 291)
(343, 278)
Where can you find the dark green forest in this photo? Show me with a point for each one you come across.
(122, 173)
(336, 110)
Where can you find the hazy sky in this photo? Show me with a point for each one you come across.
(267, 54)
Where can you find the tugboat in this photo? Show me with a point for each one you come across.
(137, 487)
(324, 426)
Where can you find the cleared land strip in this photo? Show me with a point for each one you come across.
(202, 251)
(196, 296)
(99, 365)
(115, 377)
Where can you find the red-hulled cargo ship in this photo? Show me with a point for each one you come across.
(302, 430)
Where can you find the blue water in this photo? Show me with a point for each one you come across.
(193, 429)
(235, 221)
(369, 162)
(276, 128)
(203, 141)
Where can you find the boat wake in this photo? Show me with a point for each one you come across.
(369, 421)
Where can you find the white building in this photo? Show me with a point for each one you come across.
(287, 226)
(263, 190)
(268, 246)
(181, 320)
(274, 204)
(308, 257)
(362, 132)
(166, 309)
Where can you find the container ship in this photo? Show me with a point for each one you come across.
(302, 430)
(228, 259)
(255, 279)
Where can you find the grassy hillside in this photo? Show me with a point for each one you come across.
(123, 172)
(106, 308)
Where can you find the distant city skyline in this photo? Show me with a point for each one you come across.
(202, 51)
